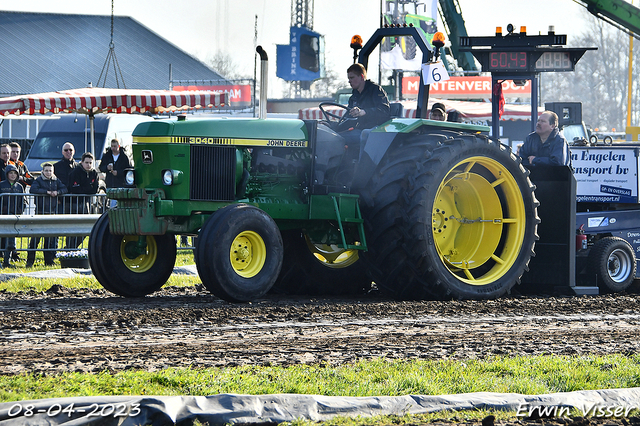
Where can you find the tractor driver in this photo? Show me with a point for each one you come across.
(368, 104)
(546, 146)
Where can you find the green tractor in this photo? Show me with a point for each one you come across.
(407, 12)
(425, 209)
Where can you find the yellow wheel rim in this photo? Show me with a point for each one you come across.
(248, 254)
(143, 262)
(332, 256)
(478, 220)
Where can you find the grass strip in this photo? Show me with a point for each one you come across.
(26, 283)
(526, 375)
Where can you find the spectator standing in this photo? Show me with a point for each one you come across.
(48, 187)
(25, 177)
(65, 166)
(5, 155)
(113, 164)
(62, 169)
(11, 204)
(82, 180)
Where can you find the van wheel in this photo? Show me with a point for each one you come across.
(613, 264)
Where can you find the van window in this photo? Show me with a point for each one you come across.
(49, 144)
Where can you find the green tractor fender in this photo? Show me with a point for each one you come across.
(380, 140)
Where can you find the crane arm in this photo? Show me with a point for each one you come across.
(454, 26)
(619, 13)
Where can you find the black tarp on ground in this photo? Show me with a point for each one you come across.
(228, 408)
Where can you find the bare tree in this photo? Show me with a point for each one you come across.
(600, 80)
(329, 84)
(223, 64)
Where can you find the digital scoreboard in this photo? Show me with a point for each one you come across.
(522, 54)
(516, 61)
(508, 61)
(554, 61)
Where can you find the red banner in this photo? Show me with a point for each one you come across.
(465, 88)
(237, 94)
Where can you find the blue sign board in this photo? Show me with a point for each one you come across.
(303, 58)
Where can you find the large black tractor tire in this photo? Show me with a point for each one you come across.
(319, 269)
(612, 263)
(124, 272)
(386, 46)
(408, 48)
(449, 216)
(239, 253)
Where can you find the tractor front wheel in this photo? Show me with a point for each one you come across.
(130, 265)
(239, 253)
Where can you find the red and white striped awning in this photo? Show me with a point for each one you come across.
(93, 100)
(470, 112)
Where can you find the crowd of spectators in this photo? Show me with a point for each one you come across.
(66, 176)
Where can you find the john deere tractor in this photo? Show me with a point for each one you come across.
(425, 209)
(407, 12)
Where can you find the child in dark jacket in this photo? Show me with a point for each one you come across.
(47, 187)
(11, 204)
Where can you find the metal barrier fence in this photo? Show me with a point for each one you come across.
(68, 217)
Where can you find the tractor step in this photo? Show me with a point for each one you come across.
(349, 203)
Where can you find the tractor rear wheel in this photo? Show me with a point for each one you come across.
(319, 269)
(613, 263)
(125, 269)
(449, 216)
(239, 253)
(408, 48)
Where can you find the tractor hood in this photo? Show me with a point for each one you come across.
(186, 131)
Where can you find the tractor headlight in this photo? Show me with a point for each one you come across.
(129, 177)
(167, 177)
(171, 177)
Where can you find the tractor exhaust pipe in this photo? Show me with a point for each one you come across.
(264, 62)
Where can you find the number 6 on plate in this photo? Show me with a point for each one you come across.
(434, 72)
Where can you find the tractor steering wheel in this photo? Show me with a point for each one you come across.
(329, 115)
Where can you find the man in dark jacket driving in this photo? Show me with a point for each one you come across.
(368, 104)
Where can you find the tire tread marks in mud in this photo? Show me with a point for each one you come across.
(397, 206)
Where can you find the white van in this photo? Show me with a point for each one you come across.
(76, 128)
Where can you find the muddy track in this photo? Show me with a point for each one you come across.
(90, 331)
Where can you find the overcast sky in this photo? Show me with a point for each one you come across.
(201, 27)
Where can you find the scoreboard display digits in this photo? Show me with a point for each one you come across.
(508, 61)
(554, 61)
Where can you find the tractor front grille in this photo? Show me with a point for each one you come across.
(213, 173)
